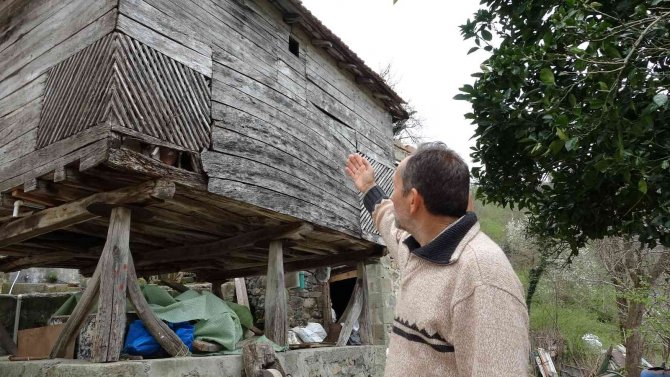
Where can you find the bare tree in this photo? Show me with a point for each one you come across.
(635, 272)
(407, 130)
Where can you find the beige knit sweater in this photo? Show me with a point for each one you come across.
(461, 310)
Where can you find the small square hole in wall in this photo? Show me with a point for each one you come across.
(294, 46)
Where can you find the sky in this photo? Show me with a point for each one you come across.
(421, 40)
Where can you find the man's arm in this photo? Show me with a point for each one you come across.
(490, 329)
(376, 202)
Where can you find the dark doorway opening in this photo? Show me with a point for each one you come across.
(340, 294)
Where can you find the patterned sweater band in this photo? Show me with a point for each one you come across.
(373, 197)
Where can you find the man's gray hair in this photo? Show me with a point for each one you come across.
(441, 177)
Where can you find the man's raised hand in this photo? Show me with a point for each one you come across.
(361, 172)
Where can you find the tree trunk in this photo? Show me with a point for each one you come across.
(634, 341)
(533, 280)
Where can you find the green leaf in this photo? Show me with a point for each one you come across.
(556, 146)
(462, 97)
(660, 99)
(470, 51)
(561, 135)
(571, 144)
(665, 165)
(573, 100)
(536, 149)
(486, 35)
(467, 88)
(547, 76)
(642, 186)
(570, 2)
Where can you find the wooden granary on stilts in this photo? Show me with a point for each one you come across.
(140, 137)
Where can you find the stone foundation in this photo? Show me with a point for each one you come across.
(361, 361)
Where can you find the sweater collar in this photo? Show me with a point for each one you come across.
(442, 249)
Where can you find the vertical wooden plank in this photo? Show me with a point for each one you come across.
(111, 318)
(241, 292)
(276, 313)
(351, 313)
(326, 306)
(365, 319)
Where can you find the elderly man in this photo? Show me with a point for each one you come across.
(461, 310)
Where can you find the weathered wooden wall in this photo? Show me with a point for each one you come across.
(275, 128)
(282, 124)
(36, 36)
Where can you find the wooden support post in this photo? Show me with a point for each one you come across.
(326, 306)
(241, 292)
(276, 313)
(157, 328)
(111, 317)
(351, 313)
(114, 277)
(365, 319)
(76, 319)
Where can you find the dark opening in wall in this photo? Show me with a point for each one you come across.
(294, 46)
(340, 294)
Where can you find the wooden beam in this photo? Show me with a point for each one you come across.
(75, 212)
(276, 304)
(292, 18)
(327, 305)
(225, 246)
(351, 314)
(343, 276)
(365, 318)
(307, 263)
(170, 342)
(124, 159)
(322, 43)
(365, 80)
(381, 96)
(76, 318)
(111, 316)
(349, 66)
(241, 292)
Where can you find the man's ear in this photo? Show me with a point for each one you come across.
(415, 201)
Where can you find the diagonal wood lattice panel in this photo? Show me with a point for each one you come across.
(384, 178)
(118, 78)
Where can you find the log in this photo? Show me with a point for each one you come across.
(241, 292)
(365, 318)
(259, 358)
(76, 319)
(276, 311)
(327, 305)
(111, 316)
(76, 212)
(351, 313)
(157, 328)
(203, 346)
(181, 288)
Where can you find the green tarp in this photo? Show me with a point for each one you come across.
(216, 320)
